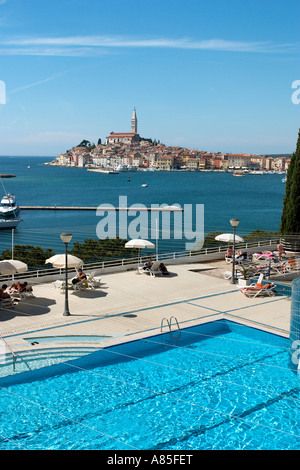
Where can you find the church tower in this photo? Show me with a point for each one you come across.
(134, 122)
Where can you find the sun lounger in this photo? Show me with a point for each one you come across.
(93, 281)
(258, 289)
(6, 303)
(255, 290)
(264, 255)
(153, 271)
(15, 294)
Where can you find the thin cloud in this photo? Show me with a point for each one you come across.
(40, 82)
(94, 45)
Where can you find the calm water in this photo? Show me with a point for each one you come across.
(255, 199)
(221, 386)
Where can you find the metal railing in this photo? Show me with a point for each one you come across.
(169, 325)
(101, 265)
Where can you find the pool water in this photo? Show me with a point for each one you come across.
(220, 386)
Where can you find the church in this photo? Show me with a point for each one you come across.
(125, 137)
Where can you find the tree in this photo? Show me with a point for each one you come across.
(92, 249)
(84, 143)
(290, 218)
(29, 254)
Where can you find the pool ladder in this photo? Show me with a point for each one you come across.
(174, 334)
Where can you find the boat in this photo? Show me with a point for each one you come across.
(144, 185)
(106, 171)
(122, 168)
(283, 179)
(8, 206)
(8, 224)
(239, 173)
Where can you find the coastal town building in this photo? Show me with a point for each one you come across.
(130, 150)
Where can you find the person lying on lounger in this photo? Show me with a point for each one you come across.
(163, 269)
(3, 293)
(229, 252)
(80, 276)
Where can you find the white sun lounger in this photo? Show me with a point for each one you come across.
(153, 271)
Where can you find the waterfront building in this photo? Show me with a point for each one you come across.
(165, 163)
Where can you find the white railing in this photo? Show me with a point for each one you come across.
(122, 263)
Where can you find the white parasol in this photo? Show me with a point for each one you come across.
(228, 238)
(58, 261)
(139, 243)
(19, 266)
(7, 268)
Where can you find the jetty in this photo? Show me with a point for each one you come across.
(102, 208)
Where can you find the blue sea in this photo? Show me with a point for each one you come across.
(256, 200)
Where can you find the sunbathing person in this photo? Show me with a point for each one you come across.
(3, 293)
(163, 269)
(22, 287)
(241, 255)
(229, 252)
(148, 264)
(80, 276)
(12, 288)
(280, 250)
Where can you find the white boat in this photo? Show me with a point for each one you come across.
(8, 206)
(283, 179)
(122, 168)
(6, 224)
(144, 185)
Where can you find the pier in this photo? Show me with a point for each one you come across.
(102, 208)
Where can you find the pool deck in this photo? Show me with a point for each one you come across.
(130, 306)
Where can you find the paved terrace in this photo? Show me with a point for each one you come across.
(128, 306)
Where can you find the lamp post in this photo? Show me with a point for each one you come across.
(234, 223)
(66, 238)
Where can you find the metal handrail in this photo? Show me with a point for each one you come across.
(115, 262)
(161, 325)
(169, 324)
(12, 352)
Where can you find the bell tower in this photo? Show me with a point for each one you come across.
(134, 122)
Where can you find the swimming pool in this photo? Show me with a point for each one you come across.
(220, 386)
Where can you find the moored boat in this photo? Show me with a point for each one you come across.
(8, 224)
(8, 206)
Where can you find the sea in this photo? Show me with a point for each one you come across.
(208, 199)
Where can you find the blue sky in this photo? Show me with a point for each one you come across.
(213, 75)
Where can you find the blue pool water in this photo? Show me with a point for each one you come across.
(220, 386)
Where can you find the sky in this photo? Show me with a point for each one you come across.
(214, 75)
